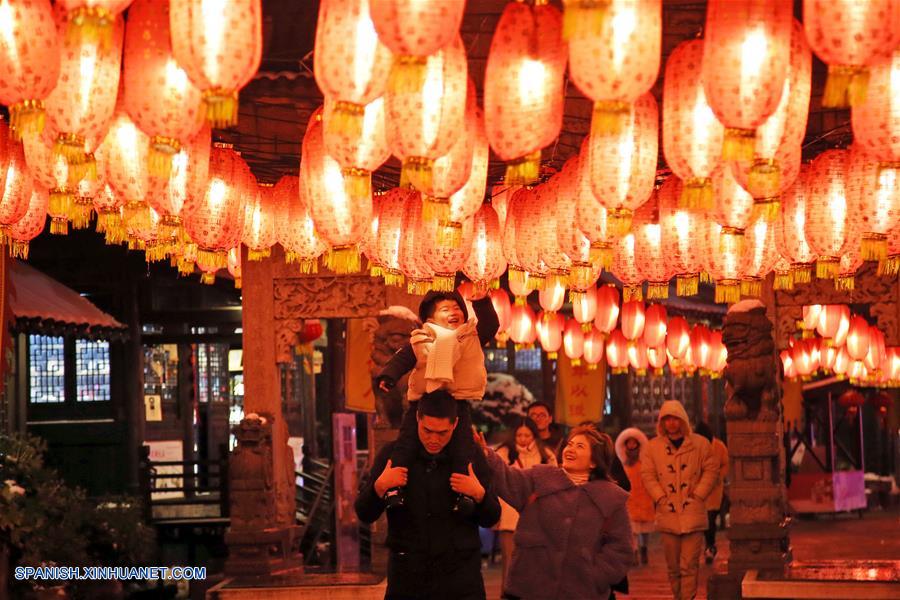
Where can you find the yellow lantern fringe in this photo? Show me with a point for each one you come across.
(417, 172)
(873, 246)
(846, 85)
(449, 234)
(19, 249)
(738, 144)
(632, 292)
(737, 245)
(221, 107)
(71, 147)
(80, 213)
(657, 290)
(211, 259)
(610, 117)
(764, 178)
(525, 170)
(346, 119)
(619, 220)
(751, 288)
(170, 227)
(238, 284)
(767, 208)
(687, 285)
(435, 209)
(481, 286)
(728, 291)
(580, 275)
(26, 117)
(344, 260)
(536, 281)
(557, 278)
(784, 281)
(584, 19)
(393, 277)
(586, 327)
(307, 265)
(185, 266)
(827, 267)
(208, 277)
(257, 255)
(407, 74)
(845, 283)
(59, 226)
(114, 231)
(519, 301)
(576, 362)
(890, 266)
(696, 194)
(357, 184)
(418, 287)
(576, 295)
(159, 157)
(552, 355)
(135, 243)
(601, 253)
(443, 282)
(801, 272)
(90, 25)
(705, 277)
(376, 270)
(60, 202)
(88, 168)
(516, 275)
(156, 251)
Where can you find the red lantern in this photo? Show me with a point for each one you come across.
(52, 172)
(607, 308)
(16, 190)
(31, 224)
(876, 354)
(790, 230)
(592, 220)
(386, 249)
(570, 239)
(873, 193)
(523, 89)
(526, 212)
(683, 256)
(759, 256)
(615, 68)
(467, 201)
(91, 19)
(295, 229)
(446, 260)
(882, 403)
(678, 337)
(746, 51)
(827, 355)
(850, 263)
(830, 224)
(637, 357)
(626, 268)
(549, 327)
(573, 341)
(617, 353)
(558, 263)
(594, 346)
(655, 326)
(734, 205)
(723, 250)
(413, 239)
(851, 400)
(700, 348)
(649, 251)
(553, 296)
(874, 119)
(585, 307)
(718, 356)
(486, 263)
(220, 48)
(312, 330)
(787, 364)
(234, 266)
(259, 223)
(831, 317)
(633, 319)
(124, 153)
(188, 175)
(500, 302)
(657, 358)
(692, 136)
(858, 338)
(801, 353)
(810, 317)
(521, 325)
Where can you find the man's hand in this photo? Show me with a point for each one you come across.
(467, 484)
(480, 441)
(391, 477)
(385, 384)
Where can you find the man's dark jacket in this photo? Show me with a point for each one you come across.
(434, 553)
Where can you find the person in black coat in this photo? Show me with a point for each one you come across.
(435, 553)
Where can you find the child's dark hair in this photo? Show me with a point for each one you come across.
(510, 443)
(439, 404)
(601, 450)
(429, 302)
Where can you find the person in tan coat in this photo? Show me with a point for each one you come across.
(679, 470)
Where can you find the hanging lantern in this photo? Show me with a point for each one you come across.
(790, 230)
(877, 352)
(827, 355)
(594, 348)
(524, 87)
(746, 51)
(29, 61)
(759, 256)
(485, 263)
(188, 174)
(607, 309)
(425, 122)
(692, 136)
(215, 219)
(682, 254)
(893, 368)
(657, 358)
(637, 357)
(446, 260)
(724, 261)
(625, 268)
(845, 280)
(558, 263)
(623, 165)
(108, 206)
(874, 119)
(734, 207)
(549, 328)
(521, 326)
(220, 47)
(295, 229)
(633, 319)
(259, 223)
(849, 36)
(841, 363)
(583, 272)
(523, 228)
(678, 337)
(467, 201)
(390, 230)
(890, 266)
(500, 302)
(858, 338)
(91, 21)
(832, 319)
(801, 355)
(52, 172)
(783, 280)
(15, 193)
(234, 266)
(718, 357)
(851, 400)
(31, 224)
(413, 239)
(810, 314)
(616, 67)
(158, 95)
(573, 342)
(649, 250)
(617, 353)
(591, 217)
(516, 274)
(552, 297)
(142, 232)
(585, 308)
(125, 158)
(340, 220)
(873, 193)
(700, 347)
(655, 326)
(351, 67)
(829, 222)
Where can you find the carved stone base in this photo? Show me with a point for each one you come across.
(263, 552)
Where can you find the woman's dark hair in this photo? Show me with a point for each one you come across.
(703, 429)
(601, 450)
(510, 443)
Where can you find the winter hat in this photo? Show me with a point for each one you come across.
(673, 408)
(426, 306)
(631, 432)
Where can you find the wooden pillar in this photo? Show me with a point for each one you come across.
(134, 388)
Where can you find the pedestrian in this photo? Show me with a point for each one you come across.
(445, 353)
(551, 434)
(629, 444)
(435, 552)
(679, 469)
(521, 450)
(715, 498)
(573, 538)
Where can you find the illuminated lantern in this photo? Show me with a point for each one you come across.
(426, 122)
(108, 206)
(584, 308)
(874, 194)
(845, 280)
(616, 67)
(549, 327)
(219, 45)
(91, 20)
(637, 357)
(858, 338)
(500, 302)
(31, 224)
(655, 326)
(351, 66)
(718, 355)
(521, 325)
(801, 353)
(746, 51)
(874, 119)
(657, 358)
(893, 368)
(783, 280)
(295, 229)
(849, 36)
(649, 250)
(414, 30)
(83, 102)
(633, 319)
(810, 313)
(15, 193)
(626, 268)
(591, 217)
(876, 354)
(617, 352)
(29, 61)
(678, 337)
(734, 206)
(485, 263)
(524, 87)
(340, 220)
(724, 261)
(682, 254)
(52, 172)
(521, 239)
(142, 231)
(259, 223)
(787, 365)
(215, 219)
(583, 272)
(829, 220)
(623, 165)
(607, 308)
(234, 266)
(841, 363)
(552, 297)
(759, 256)
(790, 230)
(827, 355)
(692, 136)
(573, 342)
(188, 174)
(551, 254)
(390, 230)
(125, 159)
(446, 260)
(594, 347)
(358, 153)
(830, 321)
(158, 96)
(700, 347)
(413, 239)
(467, 201)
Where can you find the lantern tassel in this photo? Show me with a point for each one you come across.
(801, 273)
(346, 119)
(90, 25)
(407, 74)
(873, 246)
(449, 234)
(581, 276)
(632, 292)
(113, 228)
(751, 288)
(784, 281)
(601, 253)
(436, 209)
(764, 178)
(443, 282)
(728, 291)
(827, 267)
(584, 19)
(418, 287)
(687, 285)
(376, 270)
(696, 194)
(81, 213)
(738, 144)
(766, 208)
(516, 275)
(845, 283)
(19, 249)
(221, 107)
(393, 277)
(59, 226)
(344, 260)
(731, 239)
(156, 251)
(535, 281)
(208, 277)
(890, 266)
(657, 290)
(525, 170)
(71, 147)
(26, 117)
(185, 266)
(211, 260)
(238, 283)
(706, 277)
(416, 172)
(258, 254)
(160, 154)
(357, 184)
(846, 85)
(619, 221)
(610, 117)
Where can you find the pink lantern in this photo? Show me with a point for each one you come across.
(573, 342)
(467, 201)
(485, 263)
(413, 239)
(759, 256)
(626, 268)
(259, 223)
(16, 191)
(718, 356)
(549, 327)
(724, 248)
(295, 229)
(829, 224)
(873, 193)
(649, 251)
(52, 172)
(31, 224)
(683, 256)
(446, 260)
(521, 325)
(188, 174)
(592, 219)
(124, 153)
(570, 239)
(790, 230)
(655, 326)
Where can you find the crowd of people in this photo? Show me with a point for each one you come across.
(573, 511)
